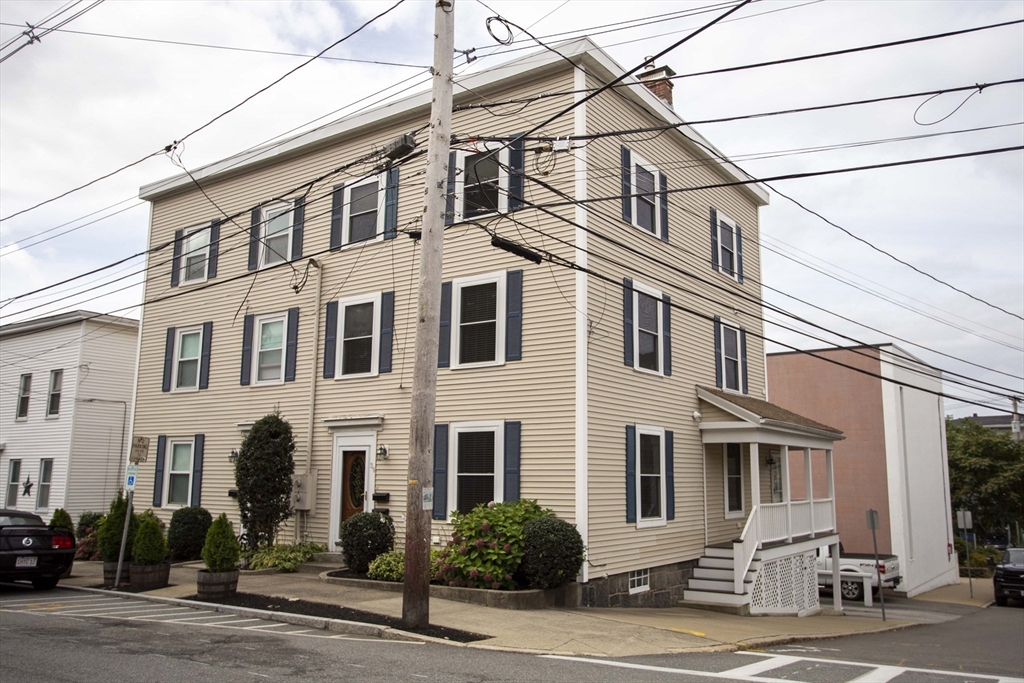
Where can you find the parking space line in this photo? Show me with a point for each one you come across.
(240, 621)
(56, 606)
(882, 674)
(162, 613)
(207, 615)
(37, 601)
(762, 666)
(108, 609)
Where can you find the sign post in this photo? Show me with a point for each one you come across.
(139, 453)
(873, 525)
(964, 522)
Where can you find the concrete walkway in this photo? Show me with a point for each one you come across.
(611, 632)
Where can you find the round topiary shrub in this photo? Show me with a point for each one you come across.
(263, 476)
(364, 536)
(149, 547)
(187, 533)
(108, 536)
(221, 550)
(62, 520)
(553, 552)
(87, 521)
(389, 566)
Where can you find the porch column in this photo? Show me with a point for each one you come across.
(755, 477)
(830, 482)
(784, 458)
(837, 589)
(809, 485)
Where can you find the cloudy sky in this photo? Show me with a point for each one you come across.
(77, 105)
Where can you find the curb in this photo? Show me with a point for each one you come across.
(770, 641)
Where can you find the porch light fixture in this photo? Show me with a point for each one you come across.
(233, 457)
(382, 452)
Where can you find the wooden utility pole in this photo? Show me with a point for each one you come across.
(416, 590)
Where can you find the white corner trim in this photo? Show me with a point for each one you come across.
(335, 424)
(582, 493)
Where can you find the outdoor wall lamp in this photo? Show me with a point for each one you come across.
(233, 457)
(382, 452)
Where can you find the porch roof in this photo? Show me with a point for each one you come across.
(760, 416)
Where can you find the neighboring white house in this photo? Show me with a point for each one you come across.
(65, 399)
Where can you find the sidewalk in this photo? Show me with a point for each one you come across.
(960, 594)
(611, 632)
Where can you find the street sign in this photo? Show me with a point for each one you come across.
(130, 476)
(963, 519)
(140, 449)
(428, 498)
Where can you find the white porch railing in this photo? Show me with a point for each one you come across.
(824, 515)
(801, 518)
(774, 522)
(743, 550)
(783, 521)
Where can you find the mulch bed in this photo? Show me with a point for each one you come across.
(320, 609)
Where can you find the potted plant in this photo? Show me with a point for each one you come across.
(149, 570)
(108, 538)
(220, 555)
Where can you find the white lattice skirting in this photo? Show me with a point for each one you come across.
(786, 585)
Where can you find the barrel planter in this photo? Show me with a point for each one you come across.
(110, 573)
(216, 585)
(148, 577)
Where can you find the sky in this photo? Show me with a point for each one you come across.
(76, 106)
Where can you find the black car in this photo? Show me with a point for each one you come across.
(30, 550)
(1008, 576)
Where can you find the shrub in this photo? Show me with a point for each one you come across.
(364, 536)
(553, 552)
(263, 476)
(487, 545)
(221, 551)
(187, 533)
(108, 536)
(86, 521)
(389, 566)
(62, 520)
(284, 557)
(150, 546)
(88, 547)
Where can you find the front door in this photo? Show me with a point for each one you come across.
(353, 482)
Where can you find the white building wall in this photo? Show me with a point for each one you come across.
(918, 475)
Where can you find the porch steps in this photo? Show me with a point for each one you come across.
(319, 567)
(720, 574)
(712, 584)
(724, 563)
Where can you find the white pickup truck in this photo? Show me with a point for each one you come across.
(888, 567)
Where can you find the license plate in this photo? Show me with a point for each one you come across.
(26, 561)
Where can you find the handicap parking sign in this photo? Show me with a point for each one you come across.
(131, 475)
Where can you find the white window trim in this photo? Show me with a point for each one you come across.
(634, 161)
(375, 299)
(639, 581)
(722, 218)
(500, 278)
(460, 178)
(17, 405)
(456, 428)
(40, 484)
(288, 208)
(643, 523)
(8, 483)
(178, 334)
(50, 392)
(650, 291)
(169, 455)
(346, 242)
(742, 512)
(254, 364)
(183, 269)
(739, 352)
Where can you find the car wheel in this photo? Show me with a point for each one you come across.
(852, 590)
(45, 584)
(1001, 600)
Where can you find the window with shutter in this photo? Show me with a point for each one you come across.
(649, 333)
(363, 213)
(651, 476)
(727, 246)
(187, 358)
(178, 477)
(477, 471)
(268, 353)
(195, 255)
(479, 320)
(646, 202)
(276, 234)
(733, 469)
(488, 179)
(358, 336)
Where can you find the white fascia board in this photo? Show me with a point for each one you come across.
(728, 406)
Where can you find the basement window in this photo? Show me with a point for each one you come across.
(639, 581)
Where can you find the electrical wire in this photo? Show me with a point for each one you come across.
(33, 38)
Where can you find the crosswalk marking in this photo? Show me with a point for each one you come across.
(882, 674)
(763, 665)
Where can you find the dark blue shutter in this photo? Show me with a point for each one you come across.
(337, 216)
(663, 205)
(204, 358)
(444, 342)
(387, 330)
(440, 472)
(670, 483)
(211, 268)
(197, 469)
(513, 435)
(714, 239)
(718, 352)
(168, 359)
(179, 235)
(255, 218)
(517, 164)
(514, 315)
(449, 198)
(739, 253)
(330, 339)
(627, 186)
(666, 322)
(743, 356)
(247, 350)
(391, 205)
(291, 347)
(630, 473)
(627, 321)
(158, 476)
(298, 227)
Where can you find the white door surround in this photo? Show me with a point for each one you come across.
(350, 441)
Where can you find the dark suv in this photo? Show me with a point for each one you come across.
(1008, 576)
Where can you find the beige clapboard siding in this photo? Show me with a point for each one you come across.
(721, 529)
(620, 395)
(712, 413)
(537, 390)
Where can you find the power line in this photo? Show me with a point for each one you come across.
(31, 34)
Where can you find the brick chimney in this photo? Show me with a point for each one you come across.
(656, 80)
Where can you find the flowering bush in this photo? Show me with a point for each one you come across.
(487, 545)
(88, 546)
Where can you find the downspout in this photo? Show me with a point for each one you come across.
(312, 392)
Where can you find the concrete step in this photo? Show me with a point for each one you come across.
(714, 598)
(714, 585)
(333, 558)
(723, 563)
(719, 574)
(318, 567)
(740, 610)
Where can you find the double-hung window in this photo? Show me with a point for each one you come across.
(179, 472)
(195, 255)
(276, 234)
(364, 212)
(188, 348)
(726, 246)
(733, 467)
(645, 196)
(649, 326)
(476, 464)
(13, 475)
(483, 184)
(24, 392)
(732, 358)
(650, 475)
(45, 477)
(53, 400)
(269, 351)
(478, 307)
(359, 335)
